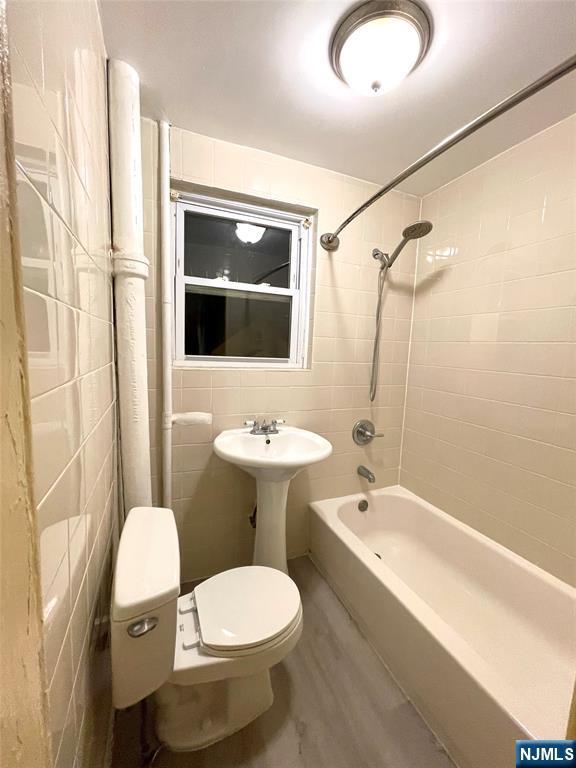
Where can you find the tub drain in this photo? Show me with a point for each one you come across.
(378, 556)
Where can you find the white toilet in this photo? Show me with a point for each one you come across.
(207, 655)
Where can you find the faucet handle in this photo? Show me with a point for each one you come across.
(364, 432)
(371, 435)
(274, 422)
(250, 423)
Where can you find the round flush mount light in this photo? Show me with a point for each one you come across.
(379, 44)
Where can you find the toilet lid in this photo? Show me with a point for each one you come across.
(245, 607)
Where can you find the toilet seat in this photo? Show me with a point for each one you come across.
(245, 609)
(193, 665)
(196, 662)
(252, 650)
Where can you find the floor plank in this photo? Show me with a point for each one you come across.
(335, 706)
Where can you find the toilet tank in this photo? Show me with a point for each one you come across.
(144, 604)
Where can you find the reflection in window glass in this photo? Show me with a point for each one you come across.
(237, 251)
(230, 323)
(34, 240)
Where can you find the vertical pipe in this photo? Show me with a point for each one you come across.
(130, 271)
(167, 280)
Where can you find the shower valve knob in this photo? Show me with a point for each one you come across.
(364, 432)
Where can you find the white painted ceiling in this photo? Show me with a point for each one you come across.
(257, 73)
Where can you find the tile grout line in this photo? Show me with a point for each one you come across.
(490, 400)
(562, 377)
(77, 452)
(80, 377)
(492, 429)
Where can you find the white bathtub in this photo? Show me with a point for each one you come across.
(481, 640)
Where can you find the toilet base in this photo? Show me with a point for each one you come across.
(194, 716)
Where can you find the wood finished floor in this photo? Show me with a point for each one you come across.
(335, 705)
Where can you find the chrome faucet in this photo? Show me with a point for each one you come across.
(366, 473)
(264, 428)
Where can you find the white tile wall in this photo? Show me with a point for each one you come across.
(490, 409)
(212, 500)
(58, 66)
(490, 429)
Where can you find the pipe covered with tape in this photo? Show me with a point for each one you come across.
(130, 273)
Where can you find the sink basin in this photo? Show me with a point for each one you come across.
(273, 460)
(272, 457)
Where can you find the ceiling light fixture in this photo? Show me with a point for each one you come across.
(379, 44)
(249, 233)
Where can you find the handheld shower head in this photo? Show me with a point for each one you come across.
(412, 232)
(416, 230)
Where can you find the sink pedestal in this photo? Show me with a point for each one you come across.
(270, 544)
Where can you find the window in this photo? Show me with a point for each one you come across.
(242, 284)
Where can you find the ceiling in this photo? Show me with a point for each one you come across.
(256, 72)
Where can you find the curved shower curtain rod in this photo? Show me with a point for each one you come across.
(330, 241)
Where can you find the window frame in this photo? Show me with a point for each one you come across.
(299, 224)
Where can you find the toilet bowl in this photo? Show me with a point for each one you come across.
(206, 656)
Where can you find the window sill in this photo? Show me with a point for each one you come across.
(240, 365)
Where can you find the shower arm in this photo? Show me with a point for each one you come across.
(330, 240)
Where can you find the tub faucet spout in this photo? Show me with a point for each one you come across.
(365, 472)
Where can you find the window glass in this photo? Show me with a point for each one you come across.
(236, 250)
(231, 323)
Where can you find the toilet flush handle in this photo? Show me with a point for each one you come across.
(142, 627)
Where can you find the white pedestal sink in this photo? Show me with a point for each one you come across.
(273, 459)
